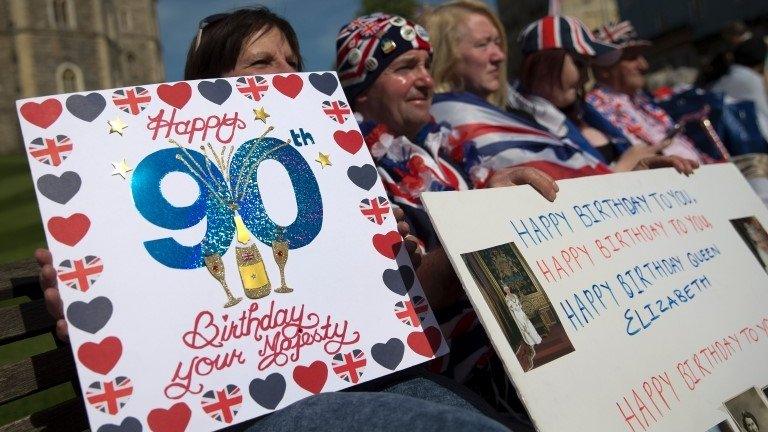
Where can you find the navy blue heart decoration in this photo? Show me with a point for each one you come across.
(325, 82)
(215, 91)
(86, 107)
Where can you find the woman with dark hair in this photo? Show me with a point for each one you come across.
(256, 41)
(552, 78)
(243, 42)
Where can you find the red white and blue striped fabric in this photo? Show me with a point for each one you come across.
(554, 32)
(492, 139)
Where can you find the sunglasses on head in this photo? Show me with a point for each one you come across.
(205, 22)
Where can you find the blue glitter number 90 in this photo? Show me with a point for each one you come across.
(150, 202)
(217, 198)
(309, 219)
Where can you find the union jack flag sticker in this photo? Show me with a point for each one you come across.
(51, 151)
(349, 366)
(412, 312)
(131, 100)
(252, 87)
(109, 396)
(80, 274)
(338, 111)
(222, 405)
(375, 209)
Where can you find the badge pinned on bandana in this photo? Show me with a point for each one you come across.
(354, 56)
(397, 21)
(408, 33)
(422, 32)
(371, 64)
(387, 46)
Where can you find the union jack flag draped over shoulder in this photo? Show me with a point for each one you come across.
(492, 139)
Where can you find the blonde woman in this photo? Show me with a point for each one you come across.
(470, 50)
(469, 68)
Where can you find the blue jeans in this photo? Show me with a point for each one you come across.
(416, 404)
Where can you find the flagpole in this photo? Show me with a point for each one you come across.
(554, 7)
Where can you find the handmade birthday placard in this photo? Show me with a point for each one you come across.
(224, 248)
(634, 302)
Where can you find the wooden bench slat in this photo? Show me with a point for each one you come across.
(36, 373)
(19, 278)
(25, 319)
(68, 416)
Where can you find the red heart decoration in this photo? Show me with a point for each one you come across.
(176, 95)
(69, 230)
(350, 141)
(388, 244)
(311, 378)
(425, 343)
(174, 419)
(289, 85)
(41, 114)
(100, 357)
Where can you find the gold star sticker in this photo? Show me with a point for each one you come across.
(121, 168)
(260, 114)
(323, 159)
(117, 126)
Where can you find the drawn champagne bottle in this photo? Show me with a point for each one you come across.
(250, 263)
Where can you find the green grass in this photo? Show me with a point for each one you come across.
(21, 231)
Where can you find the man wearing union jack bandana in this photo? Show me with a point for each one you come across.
(383, 64)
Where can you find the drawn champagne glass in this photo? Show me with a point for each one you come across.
(280, 252)
(215, 266)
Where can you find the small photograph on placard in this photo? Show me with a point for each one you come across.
(755, 236)
(519, 304)
(749, 411)
(723, 426)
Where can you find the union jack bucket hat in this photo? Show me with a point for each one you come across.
(621, 34)
(624, 36)
(564, 32)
